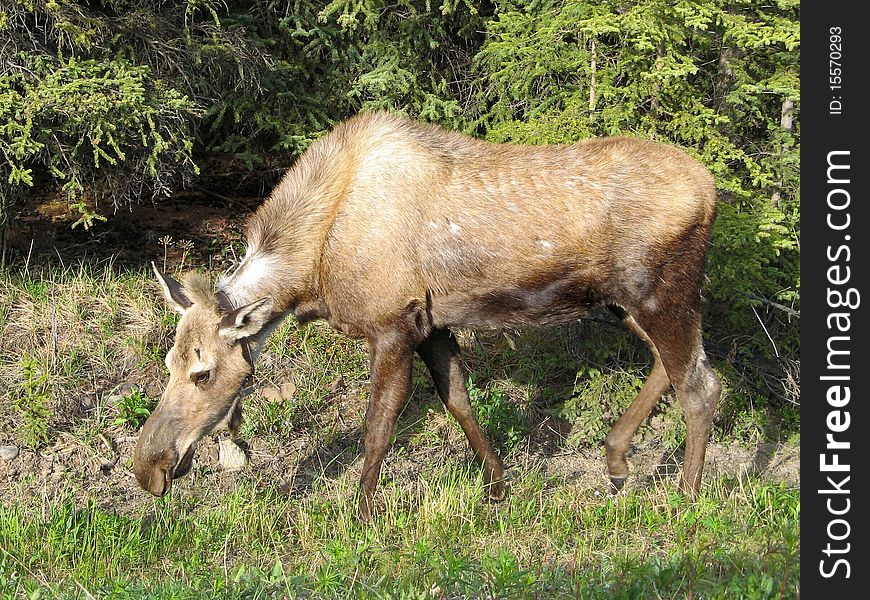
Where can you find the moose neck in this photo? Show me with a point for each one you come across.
(286, 234)
(278, 264)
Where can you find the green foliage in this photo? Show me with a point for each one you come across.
(91, 124)
(598, 398)
(133, 409)
(33, 402)
(102, 98)
(405, 53)
(500, 419)
(754, 261)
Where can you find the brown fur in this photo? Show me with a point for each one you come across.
(396, 231)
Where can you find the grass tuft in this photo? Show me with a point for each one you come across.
(741, 536)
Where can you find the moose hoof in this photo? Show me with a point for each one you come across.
(617, 483)
(496, 491)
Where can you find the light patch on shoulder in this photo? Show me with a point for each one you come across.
(545, 244)
(455, 229)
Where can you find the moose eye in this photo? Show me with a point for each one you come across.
(201, 377)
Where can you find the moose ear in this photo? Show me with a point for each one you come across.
(246, 321)
(172, 290)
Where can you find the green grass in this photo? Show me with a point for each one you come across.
(70, 339)
(739, 539)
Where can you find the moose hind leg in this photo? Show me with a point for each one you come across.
(682, 353)
(698, 393)
(441, 354)
(618, 441)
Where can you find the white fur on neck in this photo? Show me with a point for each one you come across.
(249, 282)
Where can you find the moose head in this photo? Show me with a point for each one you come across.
(209, 366)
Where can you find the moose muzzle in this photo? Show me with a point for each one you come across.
(156, 461)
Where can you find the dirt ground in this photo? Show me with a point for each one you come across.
(206, 223)
(292, 464)
(101, 469)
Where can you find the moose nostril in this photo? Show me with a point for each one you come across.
(159, 482)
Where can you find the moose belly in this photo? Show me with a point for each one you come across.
(530, 303)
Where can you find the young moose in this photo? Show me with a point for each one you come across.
(396, 231)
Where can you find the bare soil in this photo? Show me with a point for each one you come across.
(293, 463)
(163, 230)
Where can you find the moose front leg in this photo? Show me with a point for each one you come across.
(391, 358)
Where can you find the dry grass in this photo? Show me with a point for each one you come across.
(88, 330)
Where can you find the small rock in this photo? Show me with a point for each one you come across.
(8, 453)
(288, 389)
(128, 388)
(154, 388)
(270, 393)
(231, 457)
(58, 472)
